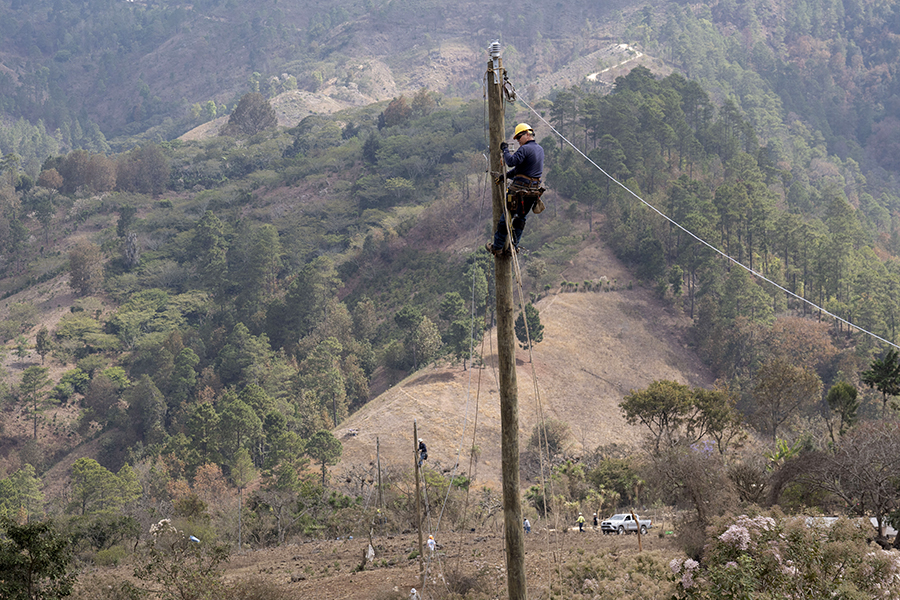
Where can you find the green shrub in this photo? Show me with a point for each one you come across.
(62, 392)
(111, 557)
(616, 475)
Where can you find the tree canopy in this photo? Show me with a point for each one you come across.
(253, 114)
(325, 449)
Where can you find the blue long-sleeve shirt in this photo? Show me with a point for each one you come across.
(527, 160)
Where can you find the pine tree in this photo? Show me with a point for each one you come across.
(325, 449)
(242, 473)
(535, 331)
(43, 343)
(34, 380)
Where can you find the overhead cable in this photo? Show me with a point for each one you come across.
(701, 240)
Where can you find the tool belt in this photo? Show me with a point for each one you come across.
(524, 195)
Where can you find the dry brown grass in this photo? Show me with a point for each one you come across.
(597, 346)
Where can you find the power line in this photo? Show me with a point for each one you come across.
(701, 240)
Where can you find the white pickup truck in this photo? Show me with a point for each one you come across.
(623, 523)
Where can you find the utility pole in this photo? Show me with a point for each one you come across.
(506, 349)
(637, 531)
(419, 506)
(380, 501)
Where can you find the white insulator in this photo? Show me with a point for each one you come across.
(495, 49)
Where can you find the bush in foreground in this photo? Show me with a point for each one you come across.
(613, 576)
(773, 556)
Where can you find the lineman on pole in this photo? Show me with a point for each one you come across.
(524, 192)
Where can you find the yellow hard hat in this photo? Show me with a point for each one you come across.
(522, 128)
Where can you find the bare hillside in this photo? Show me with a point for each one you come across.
(454, 68)
(597, 346)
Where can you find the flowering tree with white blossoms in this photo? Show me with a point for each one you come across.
(180, 566)
(777, 557)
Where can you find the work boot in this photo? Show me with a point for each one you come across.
(490, 248)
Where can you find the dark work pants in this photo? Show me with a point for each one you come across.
(517, 229)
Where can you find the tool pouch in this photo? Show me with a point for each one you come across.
(522, 200)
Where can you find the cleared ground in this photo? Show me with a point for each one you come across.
(328, 569)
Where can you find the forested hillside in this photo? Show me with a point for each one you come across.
(111, 71)
(198, 317)
(240, 294)
(85, 73)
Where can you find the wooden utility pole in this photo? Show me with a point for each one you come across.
(380, 500)
(419, 506)
(506, 350)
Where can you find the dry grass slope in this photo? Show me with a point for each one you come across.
(597, 346)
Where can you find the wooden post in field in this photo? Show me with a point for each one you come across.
(419, 506)
(380, 501)
(637, 523)
(506, 350)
